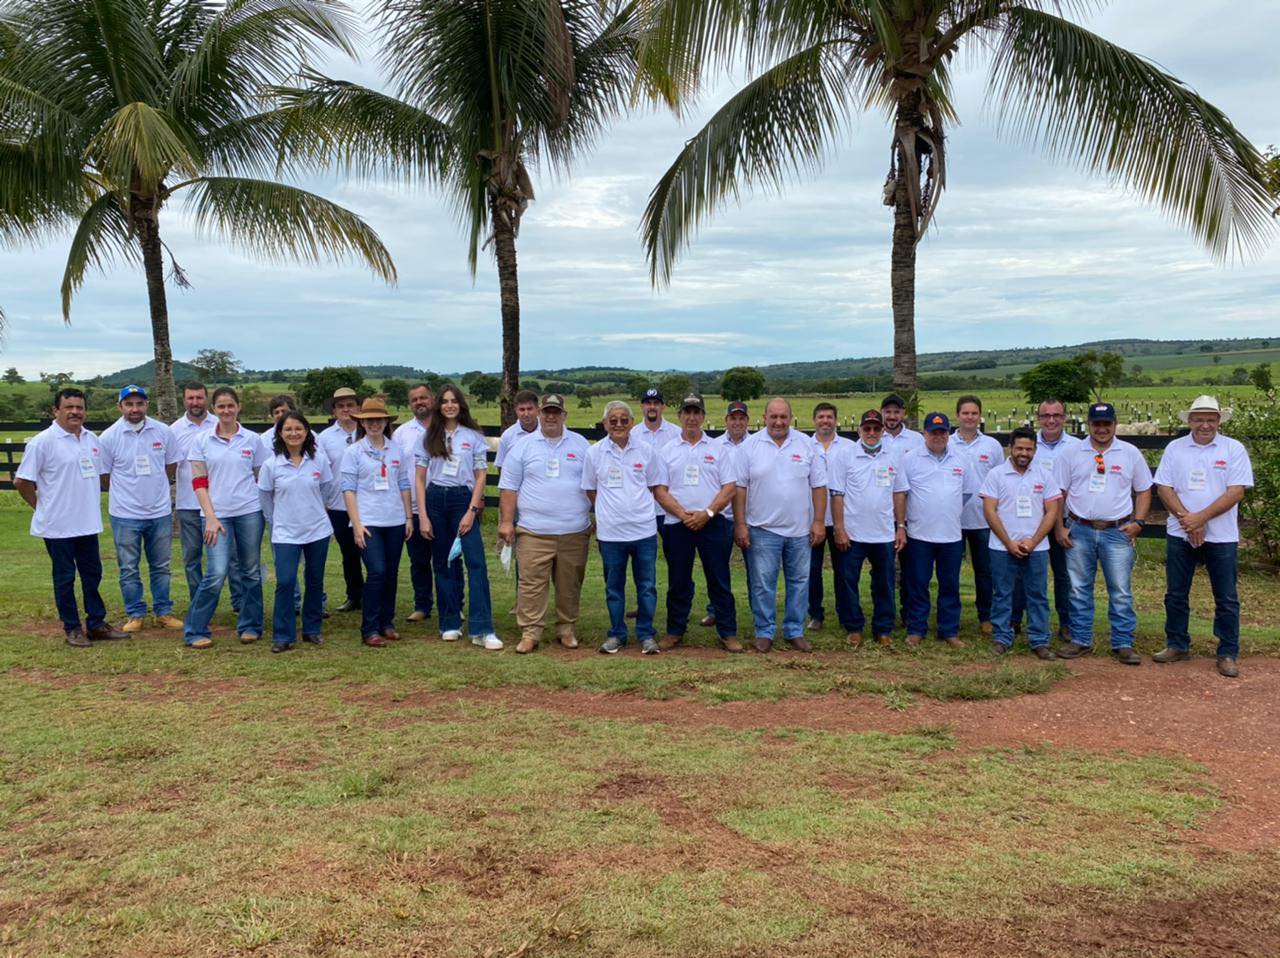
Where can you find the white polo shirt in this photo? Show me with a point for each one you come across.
(335, 441)
(377, 477)
(1199, 474)
(136, 459)
(623, 480)
(838, 443)
(507, 441)
(728, 444)
(229, 464)
(546, 476)
(186, 431)
(1048, 453)
(780, 481)
(468, 452)
(866, 482)
(667, 432)
(1021, 498)
(696, 472)
(935, 489)
(295, 496)
(1105, 495)
(903, 442)
(410, 437)
(984, 454)
(65, 469)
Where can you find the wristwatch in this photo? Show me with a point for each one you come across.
(900, 525)
(476, 510)
(711, 513)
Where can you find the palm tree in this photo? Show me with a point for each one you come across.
(1051, 80)
(108, 108)
(482, 89)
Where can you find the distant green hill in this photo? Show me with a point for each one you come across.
(145, 375)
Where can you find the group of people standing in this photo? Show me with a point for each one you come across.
(906, 505)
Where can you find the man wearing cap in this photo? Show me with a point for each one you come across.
(619, 479)
(984, 454)
(863, 526)
(1107, 484)
(544, 511)
(829, 442)
(141, 456)
(187, 429)
(700, 481)
(334, 441)
(1202, 478)
(736, 421)
(1051, 442)
(59, 477)
(931, 487)
(410, 437)
(897, 437)
(526, 424)
(778, 514)
(656, 431)
(1020, 501)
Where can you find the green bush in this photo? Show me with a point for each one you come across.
(1258, 427)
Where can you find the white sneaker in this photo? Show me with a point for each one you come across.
(453, 635)
(490, 641)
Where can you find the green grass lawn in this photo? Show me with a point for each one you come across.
(346, 801)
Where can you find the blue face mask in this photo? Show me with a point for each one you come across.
(870, 447)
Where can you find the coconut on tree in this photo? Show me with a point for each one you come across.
(110, 108)
(818, 62)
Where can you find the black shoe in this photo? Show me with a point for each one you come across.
(77, 638)
(1126, 656)
(1170, 654)
(1074, 650)
(281, 646)
(999, 648)
(351, 605)
(1042, 652)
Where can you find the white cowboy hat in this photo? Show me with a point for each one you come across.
(1206, 404)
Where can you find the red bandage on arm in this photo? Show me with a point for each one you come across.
(200, 482)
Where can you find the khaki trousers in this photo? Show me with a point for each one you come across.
(544, 559)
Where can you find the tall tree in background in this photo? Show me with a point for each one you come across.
(482, 90)
(110, 107)
(1051, 81)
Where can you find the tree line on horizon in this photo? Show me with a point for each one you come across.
(111, 108)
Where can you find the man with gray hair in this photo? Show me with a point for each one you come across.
(779, 514)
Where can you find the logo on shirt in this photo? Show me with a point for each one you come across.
(1220, 464)
(957, 471)
(796, 457)
(247, 453)
(708, 458)
(983, 457)
(1037, 487)
(395, 462)
(570, 455)
(637, 465)
(315, 475)
(157, 445)
(1116, 469)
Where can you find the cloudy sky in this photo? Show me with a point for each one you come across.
(1024, 252)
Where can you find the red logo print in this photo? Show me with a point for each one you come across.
(1115, 469)
(1220, 464)
(1038, 487)
(637, 465)
(570, 455)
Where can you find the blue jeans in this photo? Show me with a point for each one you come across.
(69, 555)
(919, 560)
(419, 550)
(191, 533)
(446, 505)
(976, 540)
(643, 554)
(712, 544)
(880, 556)
(1061, 588)
(381, 558)
(816, 584)
(242, 538)
(287, 557)
(1219, 560)
(746, 565)
(1111, 549)
(1032, 574)
(132, 537)
(770, 553)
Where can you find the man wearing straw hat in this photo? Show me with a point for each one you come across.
(334, 441)
(1202, 478)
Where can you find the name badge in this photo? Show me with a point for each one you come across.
(613, 478)
(553, 467)
(1198, 481)
(451, 466)
(1097, 482)
(380, 481)
(692, 474)
(87, 469)
(142, 465)
(883, 479)
(1023, 506)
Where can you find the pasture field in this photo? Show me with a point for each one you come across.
(431, 799)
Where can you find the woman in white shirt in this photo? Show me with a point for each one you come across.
(375, 486)
(450, 473)
(224, 471)
(293, 486)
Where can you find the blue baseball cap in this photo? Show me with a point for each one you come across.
(132, 390)
(935, 421)
(736, 406)
(652, 395)
(1102, 412)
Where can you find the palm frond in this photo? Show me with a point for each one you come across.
(140, 142)
(1086, 99)
(284, 223)
(102, 237)
(775, 128)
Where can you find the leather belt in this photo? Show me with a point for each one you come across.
(1100, 523)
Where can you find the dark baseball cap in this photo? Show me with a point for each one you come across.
(1102, 412)
(737, 406)
(693, 401)
(871, 415)
(893, 399)
(936, 421)
(132, 390)
(652, 395)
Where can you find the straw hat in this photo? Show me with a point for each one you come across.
(1206, 404)
(342, 392)
(375, 407)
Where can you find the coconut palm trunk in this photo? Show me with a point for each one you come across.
(143, 214)
(504, 248)
(902, 259)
